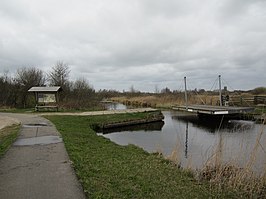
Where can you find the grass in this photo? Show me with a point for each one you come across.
(260, 110)
(32, 110)
(16, 110)
(107, 170)
(7, 137)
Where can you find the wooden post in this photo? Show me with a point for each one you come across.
(36, 98)
(220, 91)
(57, 100)
(36, 101)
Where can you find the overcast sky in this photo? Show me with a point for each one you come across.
(115, 44)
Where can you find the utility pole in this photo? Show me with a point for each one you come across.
(185, 80)
(220, 91)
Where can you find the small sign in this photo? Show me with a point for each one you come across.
(46, 98)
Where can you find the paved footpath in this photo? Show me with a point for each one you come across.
(37, 165)
(106, 112)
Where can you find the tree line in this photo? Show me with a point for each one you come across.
(75, 94)
(78, 94)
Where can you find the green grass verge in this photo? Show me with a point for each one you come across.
(17, 110)
(107, 170)
(32, 110)
(7, 136)
(260, 110)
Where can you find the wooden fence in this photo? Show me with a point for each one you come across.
(247, 101)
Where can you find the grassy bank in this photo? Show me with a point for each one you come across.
(7, 137)
(107, 170)
(32, 110)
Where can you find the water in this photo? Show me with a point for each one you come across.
(194, 142)
(114, 106)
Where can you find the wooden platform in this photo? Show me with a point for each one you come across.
(214, 110)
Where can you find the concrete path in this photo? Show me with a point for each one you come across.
(107, 112)
(37, 166)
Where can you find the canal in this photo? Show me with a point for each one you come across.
(193, 143)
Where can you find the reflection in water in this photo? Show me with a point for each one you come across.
(196, 141)
(212, 126)
(186, 143)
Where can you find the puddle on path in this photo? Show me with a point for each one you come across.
(43, 140)
(42, 124)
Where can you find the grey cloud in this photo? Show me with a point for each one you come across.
(116, 44)
(14, 10)
(238, 11)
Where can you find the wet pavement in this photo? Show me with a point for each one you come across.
(37, 165)
(43, 140)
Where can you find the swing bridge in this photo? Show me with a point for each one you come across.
(213, 111)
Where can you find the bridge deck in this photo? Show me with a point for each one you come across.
(214, 110)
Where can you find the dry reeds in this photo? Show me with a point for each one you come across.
(175, 156)
(166, 100)
(242, 180)
(230, 175)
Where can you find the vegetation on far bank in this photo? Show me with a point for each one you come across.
(45, 110)
(7, 136)
(107, 170)
(173, 99)
(80, 94)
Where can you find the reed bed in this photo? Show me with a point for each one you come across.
(166, 101)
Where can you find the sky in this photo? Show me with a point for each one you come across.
(147, 44)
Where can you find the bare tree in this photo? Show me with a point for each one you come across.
(5, 88)
(82, 92)
(59, 74)
(26, 78)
